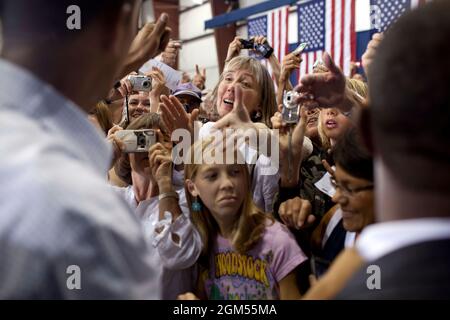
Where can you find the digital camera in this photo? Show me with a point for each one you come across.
(247, 44)
(291, 110)
(137, 140)
(264, 49)
(298, 51)
(140, 82)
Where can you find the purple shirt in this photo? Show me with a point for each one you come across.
(256, 274)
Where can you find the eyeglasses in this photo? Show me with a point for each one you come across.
(350, 192)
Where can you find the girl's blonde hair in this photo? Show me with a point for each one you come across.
(268, 102)
(251, 222)
(358, 86)
(326, 143)
(353, 85)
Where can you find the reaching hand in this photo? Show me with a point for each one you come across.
(298, 135)
(369, 55)
(170, 54)
(290, 157)
(296, 213)
(238, 118)
(326, 89)
(151, 40)
(278, 123)
(175, 116)
(327, 167)
(160, 159)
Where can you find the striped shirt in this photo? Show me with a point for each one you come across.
(64, 234)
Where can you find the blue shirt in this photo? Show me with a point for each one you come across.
(56, 209)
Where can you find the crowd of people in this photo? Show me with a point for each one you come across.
(361, 165)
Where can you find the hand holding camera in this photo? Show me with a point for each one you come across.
(291, 109)
(258, 44)
(140, 82)
(158, 82)
(150, 41)
(131, 83)
(135, 141)
(116, 143)
(292, 124)
(234, 48)
(290, 63)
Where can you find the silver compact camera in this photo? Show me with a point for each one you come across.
(137, 140)
(291, 110)
(140, 82)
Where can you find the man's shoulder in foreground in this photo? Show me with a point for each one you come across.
(57, 211)
(418, 271)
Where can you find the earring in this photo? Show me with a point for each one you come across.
(196, 206)
(257, 116)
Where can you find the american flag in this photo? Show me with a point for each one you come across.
(327, 25)
(274, 26)
(386, 12)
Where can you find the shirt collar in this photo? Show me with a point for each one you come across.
(56, 114)
(380, 239)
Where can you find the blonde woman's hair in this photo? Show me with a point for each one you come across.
(268, 102)
(358, 86)
(251, 222)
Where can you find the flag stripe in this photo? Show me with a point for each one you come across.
(286, 32)
(353, 32)
(337, 33)
(333, 29)
(279, 34)
(312, 56)
(284, 35)
(303, 65)
(307, 63)
(328, 26)
(319, 55)
(346, 37)
(272, 32)
(274, 27)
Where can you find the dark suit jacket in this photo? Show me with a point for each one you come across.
(420, 271)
